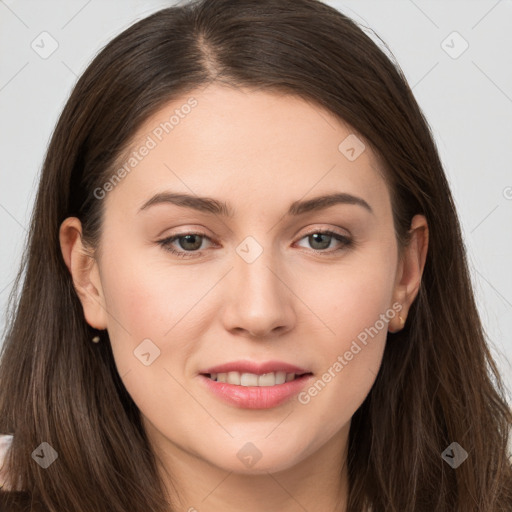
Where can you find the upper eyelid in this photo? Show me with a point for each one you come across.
(315, 227)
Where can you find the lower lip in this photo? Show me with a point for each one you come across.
(256, 397)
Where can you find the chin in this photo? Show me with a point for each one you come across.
(251, 460)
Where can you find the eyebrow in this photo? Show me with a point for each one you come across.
(211, 205)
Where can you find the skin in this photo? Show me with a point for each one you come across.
(259, 152)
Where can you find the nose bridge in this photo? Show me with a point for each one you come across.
(260, 300)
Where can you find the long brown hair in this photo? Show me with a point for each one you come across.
(438, 382)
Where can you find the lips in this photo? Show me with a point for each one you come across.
(255, 368)
(244, 394)
(255, 397)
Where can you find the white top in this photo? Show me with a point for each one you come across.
(5, 444)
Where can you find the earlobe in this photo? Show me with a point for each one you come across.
(410, 271)
(84, 273)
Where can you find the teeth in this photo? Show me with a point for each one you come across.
(233, 378)
(251, 379)
(290, 376)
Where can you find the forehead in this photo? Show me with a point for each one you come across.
(256, 145)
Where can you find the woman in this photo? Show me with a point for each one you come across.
(318, 347)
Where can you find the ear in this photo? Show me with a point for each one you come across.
(410, 270)
(84, 271)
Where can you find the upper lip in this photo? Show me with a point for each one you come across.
(255, 367)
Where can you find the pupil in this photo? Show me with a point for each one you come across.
(321, 235)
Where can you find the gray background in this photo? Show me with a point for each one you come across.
(465, 95)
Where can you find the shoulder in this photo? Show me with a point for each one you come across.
(5, 443)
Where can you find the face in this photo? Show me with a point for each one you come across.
(261, 284)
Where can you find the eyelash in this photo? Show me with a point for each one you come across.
(166, 243)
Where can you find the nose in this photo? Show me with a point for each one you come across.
(259, 301)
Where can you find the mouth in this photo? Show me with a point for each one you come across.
(254, 380)
(255, 390)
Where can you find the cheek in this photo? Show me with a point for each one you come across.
(352, 296)
(355, 306)
(142, 305)
(148, 297)
(146, 309)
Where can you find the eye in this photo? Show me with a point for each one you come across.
(191, 243)
(322, 240)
